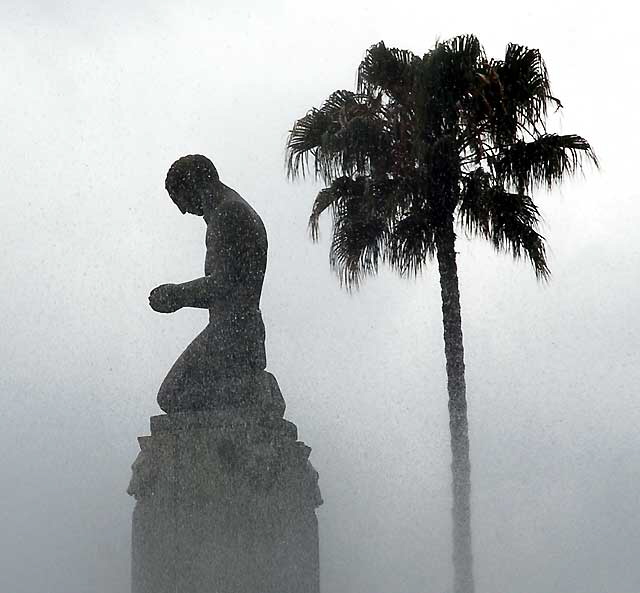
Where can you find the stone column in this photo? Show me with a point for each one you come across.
(225, 501)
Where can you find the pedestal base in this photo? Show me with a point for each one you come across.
(225, 504)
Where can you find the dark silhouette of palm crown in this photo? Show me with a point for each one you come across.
(425, 139)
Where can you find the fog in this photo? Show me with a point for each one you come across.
(99, 98)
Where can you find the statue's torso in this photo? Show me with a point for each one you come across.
(236, 244)
(231, 347)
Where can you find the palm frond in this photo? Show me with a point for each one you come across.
(445, 79)
(386, 69)
(341, 137)
(465, 52)
(359, 231)
(525, 84)
(454, 65)
(509, 221)
(411, 242)
(326, 197)
(310, 132)
(361, 138)
(341, 187)
(339, 100)
(545, 161)
(304, 139)
(473, 212)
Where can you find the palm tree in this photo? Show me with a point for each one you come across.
(422, 144)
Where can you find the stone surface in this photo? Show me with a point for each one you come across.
(232, 344)
(255, 394)
(224, 504)
(225, 493)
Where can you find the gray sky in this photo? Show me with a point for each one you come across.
(99, 98)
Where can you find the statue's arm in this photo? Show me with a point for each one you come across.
(201, 293)
(217, 284)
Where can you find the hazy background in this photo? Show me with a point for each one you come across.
(98, 98)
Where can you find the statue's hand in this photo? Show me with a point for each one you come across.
(165, 298)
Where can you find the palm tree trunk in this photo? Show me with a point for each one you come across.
(458, 425)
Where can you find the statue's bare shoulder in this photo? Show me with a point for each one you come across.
(234, 208)
(235, 222)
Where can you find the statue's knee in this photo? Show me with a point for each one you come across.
(164, 398)
(169, 392)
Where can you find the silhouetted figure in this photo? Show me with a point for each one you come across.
(232, 345)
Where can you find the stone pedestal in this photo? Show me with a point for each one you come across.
(225, 503)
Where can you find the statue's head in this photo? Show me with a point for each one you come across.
(188, 179)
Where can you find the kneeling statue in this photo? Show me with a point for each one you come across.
(231, 347)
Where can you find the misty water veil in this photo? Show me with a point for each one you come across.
(332, 298)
